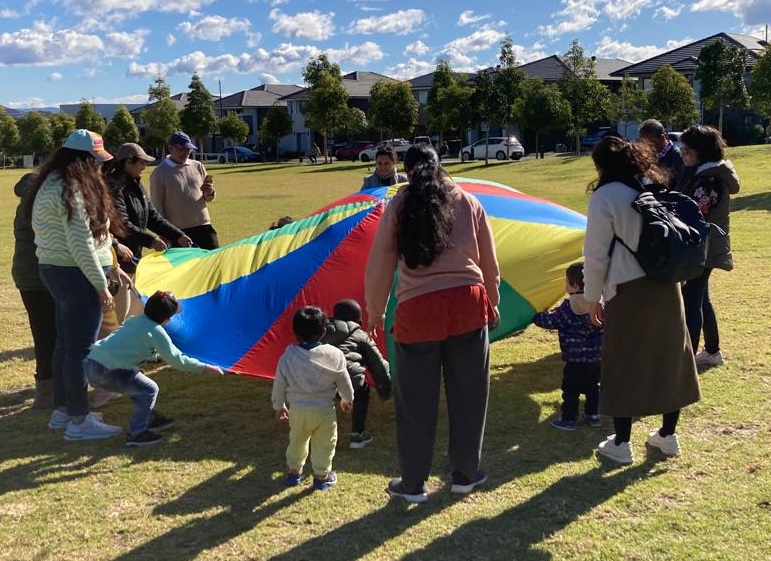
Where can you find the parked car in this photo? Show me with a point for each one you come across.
(497, 147)
(351, 150)
(238, 154)
(588, 141)
(399, 145)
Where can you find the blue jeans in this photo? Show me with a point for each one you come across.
(78, 316)
(142, 390)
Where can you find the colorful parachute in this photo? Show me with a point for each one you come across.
(238, 301)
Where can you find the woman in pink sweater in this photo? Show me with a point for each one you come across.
(439, 238)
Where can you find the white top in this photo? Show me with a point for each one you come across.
(311, 377)
(610, 213)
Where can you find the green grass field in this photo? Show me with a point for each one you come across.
(213, 490)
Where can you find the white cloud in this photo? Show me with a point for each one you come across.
(578, 15)
(8, 13)
(399, 23)
(214, 28)
(121, 44)
(751, 12)
(667, 13)
(29, 103)
(42, 46)
(481, 40)
(268, 78)
(417, 48)
(358, 54)
(612, 48)
(170, 40)
(467, 17)
(133, 8)
(253, 40)
(54, 77)
(410, 69)
(625, 9)
(314, 25)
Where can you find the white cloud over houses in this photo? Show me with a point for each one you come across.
(214, 28)
(410, 69)
(121, 44)
(624, 9)
(315, 25)
(578, 15)
(467, 17)
(612, 48)
(480, 40)
(668, 12)
(417, 48)
(401, 22)
(751, 12)
(42, 46)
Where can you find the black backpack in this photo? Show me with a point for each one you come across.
(674, 238)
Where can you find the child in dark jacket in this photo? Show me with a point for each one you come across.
(581, 346)
(361, 354)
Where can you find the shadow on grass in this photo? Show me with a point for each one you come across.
(756, 201)
(27, 353)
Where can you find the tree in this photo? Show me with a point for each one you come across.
(120, 129)
(354, 122)
(589, 100)
(541, 108)
(486, 102)
(436, 111)
(670, 98)
(326, 107)
(629, 103)
(162, 117)
(276, 125)
(35, 134)
(88, 118)
(760, 87)
(9, 134)
(393, 107)
(509, 80)
(61, 127)
(198, 118)
(720, 71)
(233, 128)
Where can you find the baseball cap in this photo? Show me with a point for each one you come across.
(181, 139)
(88, 141)
(132, 150)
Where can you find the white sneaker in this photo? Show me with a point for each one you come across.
(669, 445)
(91, 428)
(60, 419)
(621, 453)
(703, 358)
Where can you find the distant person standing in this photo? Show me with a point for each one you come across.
(669, 158)
(180, 189)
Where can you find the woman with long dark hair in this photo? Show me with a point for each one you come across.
(647, 359)
(71, 211)
(440, 240)
(711, 186)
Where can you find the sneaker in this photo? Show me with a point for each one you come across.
(703, 358)
(669, 445)
(146, 438)
(326, 482)
(60, 419)
(293, 479)
(101, 397)
(463, 485)
(563, 424)
(92, 428)
(360, 439)
(592, 420)
(159, 422)
(397, 489)
(621, 453)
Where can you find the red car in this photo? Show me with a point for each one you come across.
(351, 150)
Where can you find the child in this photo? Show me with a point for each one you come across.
(581, 345)
(308, 376)
(344, 332)
(113, 363)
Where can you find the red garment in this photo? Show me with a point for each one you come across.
(437, 315)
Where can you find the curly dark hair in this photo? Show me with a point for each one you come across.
(706, 141)
(81, 173)
(426, 219)
(628, 162)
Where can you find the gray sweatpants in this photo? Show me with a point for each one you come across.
(464, 361)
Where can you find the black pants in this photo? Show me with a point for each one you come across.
(464, 363)
(580, 378)
(623, 426)
(41, 312)
(700, 314)
(360, 408)
(204, 236)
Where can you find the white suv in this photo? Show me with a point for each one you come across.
(399, 145)
(497, 147)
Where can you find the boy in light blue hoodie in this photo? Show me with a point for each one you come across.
(113, 364)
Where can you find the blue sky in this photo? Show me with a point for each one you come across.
(109, 51)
